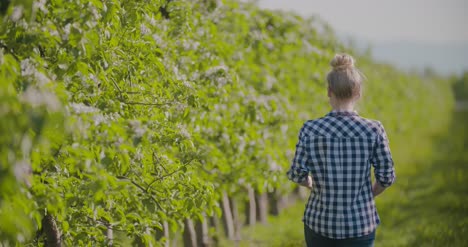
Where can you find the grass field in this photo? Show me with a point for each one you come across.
(427, 206)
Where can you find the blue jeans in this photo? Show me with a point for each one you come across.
(315, 240)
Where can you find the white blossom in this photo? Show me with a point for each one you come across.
(157, 38)
(88, 163)
(99, 118)
(310, 48)
(151, 20)
(213, 70)
(94, 11)
(27, 67)
(270, 81)
(187, 84)
(235, 107)
(274, 166)
(284, 128)
(241, 145)
(256, 35)
(119, 141)
(63, 66)
(66, 31)
(209, 131)
(183, 131)
(270, 46)
(200, 31)
(226, 138)
(179, 76)
(37, 98)
(220, 107)
(20, 237)
(165, 158)
(94, 78)
(41, 78)
(26, 144)
(91, 24)
(190, 45)
(180, 107)
(138, 130)
(221, 81)
(40, 4)
(107, 34)
(79, 108)
(17, 13)
(23, 23)
(22, 169)
(195, 76)
(238, 56)
(138, 155)
(144, 29)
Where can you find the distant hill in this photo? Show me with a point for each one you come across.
(444, 58)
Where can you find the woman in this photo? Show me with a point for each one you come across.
(333, 158)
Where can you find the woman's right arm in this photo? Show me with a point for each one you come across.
(299, 172)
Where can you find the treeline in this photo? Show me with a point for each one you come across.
(460, 86)
(124, 122)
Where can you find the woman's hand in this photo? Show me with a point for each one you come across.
(377, 189)
(307, 183)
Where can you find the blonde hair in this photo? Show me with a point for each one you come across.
(344, 80)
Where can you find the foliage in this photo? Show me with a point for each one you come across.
(460, 86)
(126, 114)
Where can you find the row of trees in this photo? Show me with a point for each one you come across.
(460, 86)
(126, 121)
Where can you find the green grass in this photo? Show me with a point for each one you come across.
(427, 206)
(285, 230)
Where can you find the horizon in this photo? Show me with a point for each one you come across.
(446, 40)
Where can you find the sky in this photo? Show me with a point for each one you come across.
(390, 20)
(437, 30)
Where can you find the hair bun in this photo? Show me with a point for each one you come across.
(342, 62)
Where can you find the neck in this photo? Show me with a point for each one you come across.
(342, 106)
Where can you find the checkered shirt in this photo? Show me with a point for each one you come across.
(338, 151)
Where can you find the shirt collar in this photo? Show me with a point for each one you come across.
(346, 113)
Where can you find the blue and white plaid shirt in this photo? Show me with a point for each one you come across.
(338, 151)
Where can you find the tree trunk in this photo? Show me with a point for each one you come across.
(250, 208)
(236, 219)
(110, 235)
(214, 222)
(262, 207)
(160, 233)
(190, 236)
(51, 231)
(203, 238)
(274, 203)
(301, 192)
(227, 217)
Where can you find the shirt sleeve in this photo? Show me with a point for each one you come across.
(299, 171)
(382, 159)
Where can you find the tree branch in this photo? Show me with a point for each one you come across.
(145, 103)
(168, 174)
(9, 51)
(142, 189)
